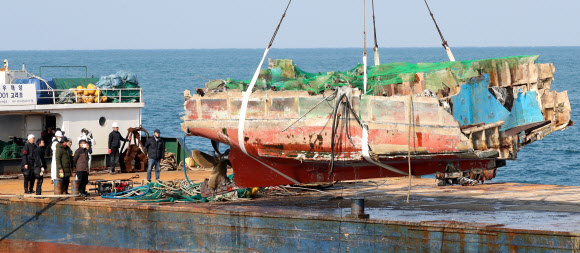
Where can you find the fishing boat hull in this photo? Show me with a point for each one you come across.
(288, 135)
(250, 172)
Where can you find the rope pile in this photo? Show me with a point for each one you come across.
(181, 164)
(169, 162)
(176, 191)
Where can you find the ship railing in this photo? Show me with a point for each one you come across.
(74, 96)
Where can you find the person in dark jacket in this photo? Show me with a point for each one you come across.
(64, 163)
(81, 162)
(115, 139)
(155, 150)
(47, 137)
(27, 164)
(88, 137)
(39, 165)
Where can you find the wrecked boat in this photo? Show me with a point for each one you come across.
(463, 118)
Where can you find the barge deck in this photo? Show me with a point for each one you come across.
(498, 217)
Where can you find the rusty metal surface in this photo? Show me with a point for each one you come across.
(133, 158)
(484, 218)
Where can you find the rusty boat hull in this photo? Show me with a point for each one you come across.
(467, 126)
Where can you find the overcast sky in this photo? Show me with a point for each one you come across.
(184, 24)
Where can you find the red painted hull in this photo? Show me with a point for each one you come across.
(303, 153)
(250, 173)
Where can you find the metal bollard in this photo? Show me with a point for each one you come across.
(57, 186)
(74, 189)
(357, 209)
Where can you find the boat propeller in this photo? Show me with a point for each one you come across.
(220, 166)
(220, 157)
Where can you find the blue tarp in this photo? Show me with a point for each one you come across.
(117, 79)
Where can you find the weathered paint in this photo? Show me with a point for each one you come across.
(304, 150)
(526, 110)
(475, 104)
(461, 121)
(61, 226)
(250, 173)
(435, 129)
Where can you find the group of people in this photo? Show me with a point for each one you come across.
(64, 161)
(33, 164)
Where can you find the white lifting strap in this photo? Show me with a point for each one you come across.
(366, 153)
(449, 54)
(244, 107)
(365, 73)
(241, 123)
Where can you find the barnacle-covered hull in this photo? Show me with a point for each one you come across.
(462, 116)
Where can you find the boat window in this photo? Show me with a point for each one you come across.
(102, 121)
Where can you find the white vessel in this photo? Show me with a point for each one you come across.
(29, 104)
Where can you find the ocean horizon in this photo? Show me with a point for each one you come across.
(274, 48)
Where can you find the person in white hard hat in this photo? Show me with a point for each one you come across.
(115, 139)
(57, 138)
(28, 164)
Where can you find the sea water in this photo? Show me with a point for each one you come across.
(165, 74)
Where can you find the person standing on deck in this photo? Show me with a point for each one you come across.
(155, 150)
(64, 163)
(39, 165)
(28, 164)
(47, 136)
(56, 140)
(115, 139)
(69, 145)
(90, 141)
(81, 163)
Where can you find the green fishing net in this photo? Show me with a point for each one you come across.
(285, 75)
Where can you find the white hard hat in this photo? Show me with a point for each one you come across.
(115, 124)
(58, 134)
(30, 136)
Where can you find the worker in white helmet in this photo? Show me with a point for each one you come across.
(57, 138)
(115, 139)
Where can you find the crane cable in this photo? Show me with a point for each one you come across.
(411, 126)
(376, 48)
(279, 24)
(444, 44)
